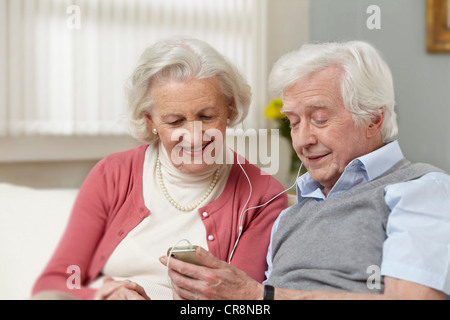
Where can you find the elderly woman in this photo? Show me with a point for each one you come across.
(180, 184)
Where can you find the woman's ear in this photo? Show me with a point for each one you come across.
(231, 110)
(375, 124)
(149, 121)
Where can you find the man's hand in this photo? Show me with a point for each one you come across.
(120, 290)
(215, 280)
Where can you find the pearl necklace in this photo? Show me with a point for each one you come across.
(172, 201)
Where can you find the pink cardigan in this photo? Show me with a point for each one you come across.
(110, 204)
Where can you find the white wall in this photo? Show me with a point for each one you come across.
(422, 80)
(55, 162)
(288, 27)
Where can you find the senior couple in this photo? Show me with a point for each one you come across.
(361, 207)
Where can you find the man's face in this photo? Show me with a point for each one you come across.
(324, 134)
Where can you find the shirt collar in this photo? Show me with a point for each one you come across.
(360, 170)
(381, 160)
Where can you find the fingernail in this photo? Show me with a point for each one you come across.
(201, 251)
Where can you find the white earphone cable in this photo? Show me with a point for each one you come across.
(170, 255)
(241, 216)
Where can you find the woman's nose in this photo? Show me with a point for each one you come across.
(194, 133)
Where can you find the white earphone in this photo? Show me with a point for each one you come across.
(241, 216)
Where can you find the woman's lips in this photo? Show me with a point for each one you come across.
(192, 152)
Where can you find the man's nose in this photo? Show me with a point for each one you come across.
(304, 137)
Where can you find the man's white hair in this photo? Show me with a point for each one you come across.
(366, 85)
(182, 59)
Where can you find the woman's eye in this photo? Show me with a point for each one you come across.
(174, 123)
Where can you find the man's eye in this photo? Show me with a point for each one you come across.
(320, 122)
(293, 124)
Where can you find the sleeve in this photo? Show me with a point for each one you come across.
(270, 250)
(250, 254)
(67, 269)
(417, 247)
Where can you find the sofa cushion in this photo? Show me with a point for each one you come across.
(31, 223)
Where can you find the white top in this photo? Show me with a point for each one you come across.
(137, 257)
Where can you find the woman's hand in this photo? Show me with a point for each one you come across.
(215, 280)
(120, 290)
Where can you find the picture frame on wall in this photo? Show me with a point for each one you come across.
(438, 26)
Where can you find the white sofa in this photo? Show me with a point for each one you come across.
(31, 224)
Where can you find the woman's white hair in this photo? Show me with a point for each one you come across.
(182, 59)
(366, 84)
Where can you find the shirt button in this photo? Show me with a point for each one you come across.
(210, 237)
(205, 214)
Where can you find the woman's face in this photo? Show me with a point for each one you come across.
(191, 119)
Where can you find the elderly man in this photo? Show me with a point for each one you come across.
(368, 223)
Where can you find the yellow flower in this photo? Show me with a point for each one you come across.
(273, 110)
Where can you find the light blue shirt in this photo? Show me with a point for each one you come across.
(417, 248)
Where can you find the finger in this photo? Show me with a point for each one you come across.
(184, 268)
(192, 270)
(109, 287)
(178, 293)
(175, 289)
(183, 287)
(191, 281)
(208, 259)
(117, 295)
(163, 260)
(200, 287)
(204, 275)
(124, 293)
(132, 294)
(182, 294)
(140, 290)
(107, 279)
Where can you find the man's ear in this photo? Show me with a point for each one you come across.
(375, 124)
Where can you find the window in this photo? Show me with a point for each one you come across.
(65, 63)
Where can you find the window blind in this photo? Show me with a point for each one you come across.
(63, 64)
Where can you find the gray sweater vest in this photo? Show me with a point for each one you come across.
(330, 245)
